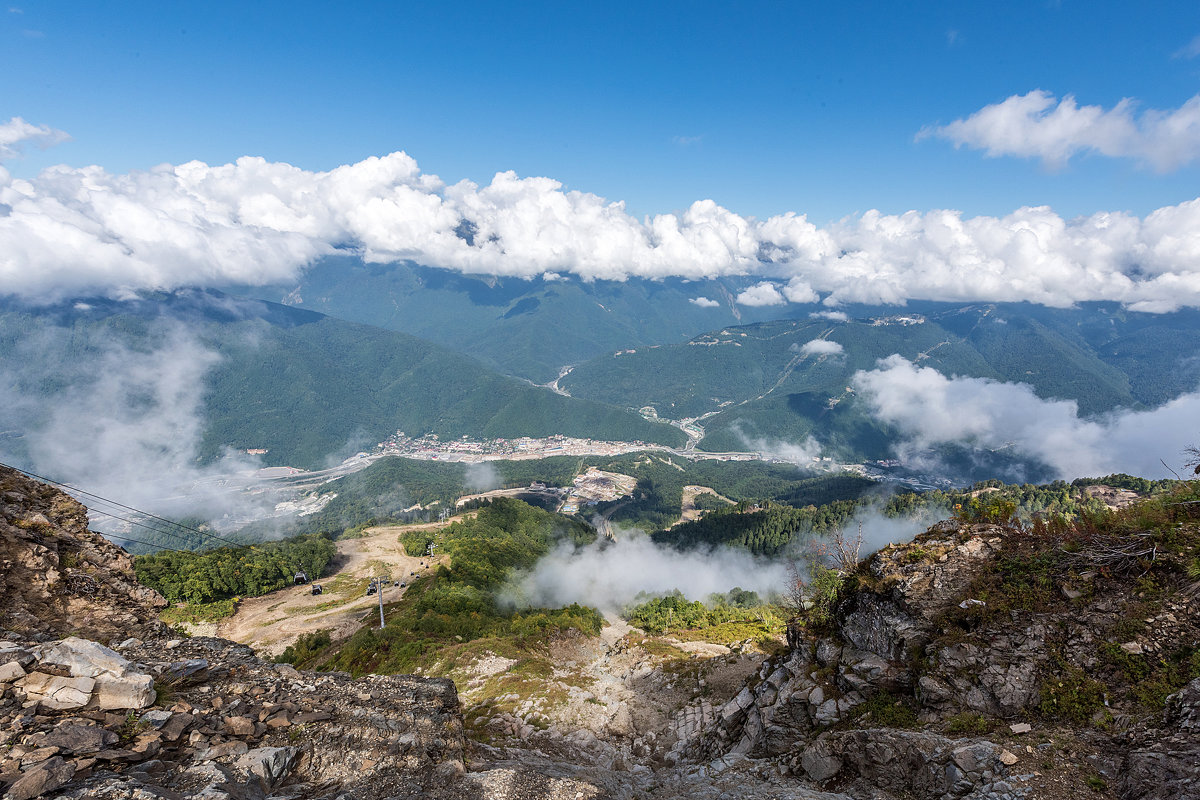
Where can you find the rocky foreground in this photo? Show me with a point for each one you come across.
(966, 664)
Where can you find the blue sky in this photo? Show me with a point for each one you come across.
(763, 107)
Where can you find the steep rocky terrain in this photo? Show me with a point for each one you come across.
(989, 661)
(982, 660)
(56, 576)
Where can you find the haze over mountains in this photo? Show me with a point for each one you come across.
(182, 380)
(771, 377)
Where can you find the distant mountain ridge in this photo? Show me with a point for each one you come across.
(297, 383)
(758, 380)
(527, 328)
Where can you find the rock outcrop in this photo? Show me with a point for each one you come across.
(57, 577)
(218, 723)
(897, 697)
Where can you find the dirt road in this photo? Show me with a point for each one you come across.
(273, 621)
(688, 510)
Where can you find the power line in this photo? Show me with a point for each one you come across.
(147, 514)
(141, 525)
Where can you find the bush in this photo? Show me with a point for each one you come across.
(306, 647)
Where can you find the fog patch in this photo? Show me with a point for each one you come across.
(799, 453)
(481, 477)
(124, 424)
(610, 575)
(876, 531)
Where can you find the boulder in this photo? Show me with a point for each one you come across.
(42, 779)
(10, 672)
(269, 764)
(117, 685)
(56, 692)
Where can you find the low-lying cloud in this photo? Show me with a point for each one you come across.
(124, 424)
(81, 230)
(611, 575)
(821, 347)
(930, 409)
(799, 453)
(1039, 125)
(481, 476)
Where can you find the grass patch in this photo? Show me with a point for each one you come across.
(885, 710)
(197, 613)
(1072, 695)
(969, 723)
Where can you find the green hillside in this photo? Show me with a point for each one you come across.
(300, 384)
(756, 382)
(528, 328)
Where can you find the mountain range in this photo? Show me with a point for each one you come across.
(431, 351)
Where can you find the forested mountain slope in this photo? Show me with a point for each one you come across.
(787, 379)
(296, 383)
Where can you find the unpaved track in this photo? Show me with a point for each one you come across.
(688, 510)
(273, 621)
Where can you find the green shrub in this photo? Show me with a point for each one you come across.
(1071, 695)
(969, 722)
(305, 649)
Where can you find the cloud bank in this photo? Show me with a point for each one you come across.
(124, 424)
(1039, 125)
(74, 231)
(930, 409)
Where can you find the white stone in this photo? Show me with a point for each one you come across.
(1133, 648)
(83, 658)
(1020, 727)
(57, 693)
(130, 691)
(10, 672)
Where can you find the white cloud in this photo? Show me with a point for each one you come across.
(835, 316)
(126, 424)
(930, 409)
(611, 575)
(821, 347)
(704, 302)
(1038, 125)
(16, 132)
(799, 290)
(74, 231)
(761, 294)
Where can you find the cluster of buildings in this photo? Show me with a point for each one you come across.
(431, 446)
